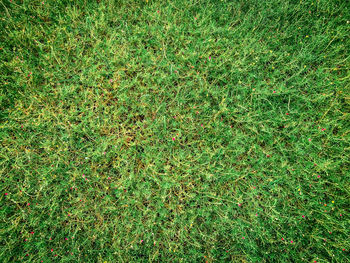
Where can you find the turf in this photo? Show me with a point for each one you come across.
(174, 131)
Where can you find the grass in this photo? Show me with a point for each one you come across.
(174, 131)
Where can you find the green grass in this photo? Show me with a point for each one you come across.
(179, 131)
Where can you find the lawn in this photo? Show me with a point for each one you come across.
(174, 131)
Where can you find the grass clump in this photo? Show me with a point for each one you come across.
(180, 131)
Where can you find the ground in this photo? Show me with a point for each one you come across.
(174, 131)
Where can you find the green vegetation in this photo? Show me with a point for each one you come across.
(179, 131)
